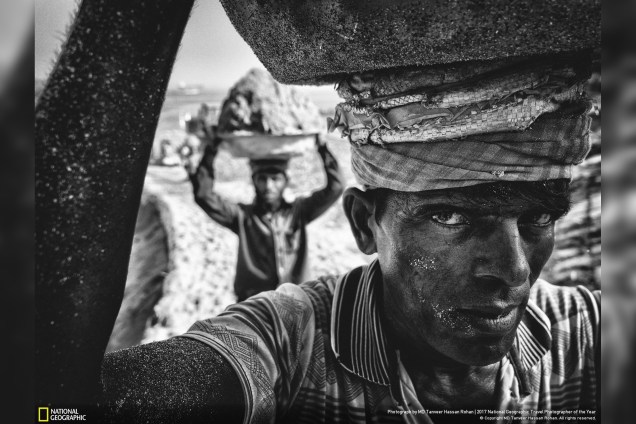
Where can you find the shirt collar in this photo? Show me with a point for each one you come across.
(357, 335)
(533, 341)
(359, 341)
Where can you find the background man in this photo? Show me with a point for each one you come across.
(272, 234)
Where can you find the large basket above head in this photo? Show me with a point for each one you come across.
(318, 41)
(265, 146)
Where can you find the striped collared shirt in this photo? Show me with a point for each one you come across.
(317, 353)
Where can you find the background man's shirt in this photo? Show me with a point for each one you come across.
(317, 353)
(272, 245)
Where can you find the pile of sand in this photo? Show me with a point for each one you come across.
(257, 104)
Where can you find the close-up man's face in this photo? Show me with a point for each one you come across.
(458, 265)
(269, 186)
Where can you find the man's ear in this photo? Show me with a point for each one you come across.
(359, 208)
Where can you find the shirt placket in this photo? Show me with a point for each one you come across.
(507, 394)
(278, 232)
(409, 404)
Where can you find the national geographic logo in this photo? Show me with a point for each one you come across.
(46, 414)
(43, 414)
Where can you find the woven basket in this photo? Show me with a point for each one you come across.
(317, 42)
(264, 146)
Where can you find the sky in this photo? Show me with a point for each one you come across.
(212, 53)
(16, 22)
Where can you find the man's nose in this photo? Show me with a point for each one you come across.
(503, 256)
(270, 183)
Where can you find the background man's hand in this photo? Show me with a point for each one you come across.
(320, 142)
(208, 134)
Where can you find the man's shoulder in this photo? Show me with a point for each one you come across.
(562, 302)
(324, 287)
(294, 308)
(291, 312)
(311, 298)
(316, 294)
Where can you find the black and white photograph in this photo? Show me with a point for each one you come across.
(322, 211)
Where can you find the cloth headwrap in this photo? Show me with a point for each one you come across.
(269, 165)
(470, 124)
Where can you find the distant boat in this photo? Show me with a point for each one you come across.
(189, 90)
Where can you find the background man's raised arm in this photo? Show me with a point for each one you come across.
(218, 208)
(319, 201)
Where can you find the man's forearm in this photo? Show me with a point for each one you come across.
(204, 388)
(319, 201)
(95, 124)
(335, 180)
(221, 210)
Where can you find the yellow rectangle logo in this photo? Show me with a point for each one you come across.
(43, 414)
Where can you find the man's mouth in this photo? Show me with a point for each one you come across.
(492, 319)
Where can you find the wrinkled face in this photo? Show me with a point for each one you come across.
(457, 272)
(269, 186)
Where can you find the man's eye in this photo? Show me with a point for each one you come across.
(450, 218)
(540, 219)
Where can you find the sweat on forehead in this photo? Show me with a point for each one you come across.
(551, 196)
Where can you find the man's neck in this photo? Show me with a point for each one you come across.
(268, 207)
(443, 383)
(440, 381)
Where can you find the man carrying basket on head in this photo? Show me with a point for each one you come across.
(272, 236)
